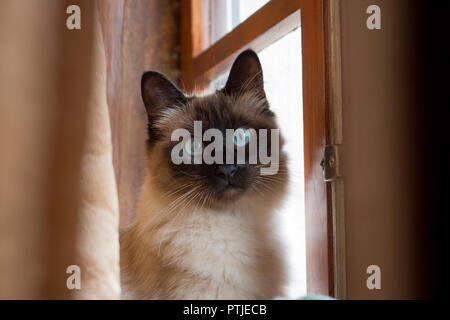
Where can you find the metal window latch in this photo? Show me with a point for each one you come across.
(332, 162)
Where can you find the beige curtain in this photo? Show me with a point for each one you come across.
(58, 197)
(97, 237)
(72, 123)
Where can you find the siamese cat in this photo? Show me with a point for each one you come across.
(206, 231)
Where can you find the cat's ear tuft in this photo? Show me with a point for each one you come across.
(245, 75)
(159, 93)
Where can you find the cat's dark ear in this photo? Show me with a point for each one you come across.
(245, 75)
(159, 93)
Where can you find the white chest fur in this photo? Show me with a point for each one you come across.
(219, 249)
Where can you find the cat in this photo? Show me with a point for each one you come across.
(205, 231)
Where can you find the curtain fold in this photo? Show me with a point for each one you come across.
(98, 222)
(72, 137)
(58, 199)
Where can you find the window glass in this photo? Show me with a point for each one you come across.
(225, 15)
(282, 69)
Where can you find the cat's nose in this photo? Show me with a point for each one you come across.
(226, 171)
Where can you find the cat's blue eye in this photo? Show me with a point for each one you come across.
(241, 137)
(193, 147)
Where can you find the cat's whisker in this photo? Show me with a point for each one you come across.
(190, 199)
(254, 186)
(174, 204)
(180, 199)
(195, 176)
(177, 189)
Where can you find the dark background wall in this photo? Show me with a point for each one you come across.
(387, 169)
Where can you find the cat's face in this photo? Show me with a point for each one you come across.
(241, 106)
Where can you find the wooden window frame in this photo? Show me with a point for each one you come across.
(271, 22)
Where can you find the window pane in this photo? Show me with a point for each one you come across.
(248, 7)
(225, 15)
(282, 70)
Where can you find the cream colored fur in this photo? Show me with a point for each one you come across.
(200, 253)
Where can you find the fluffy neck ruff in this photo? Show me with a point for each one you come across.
(188, 252)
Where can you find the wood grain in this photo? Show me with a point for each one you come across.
(334, 123)
(314, 115)
(187, 43)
